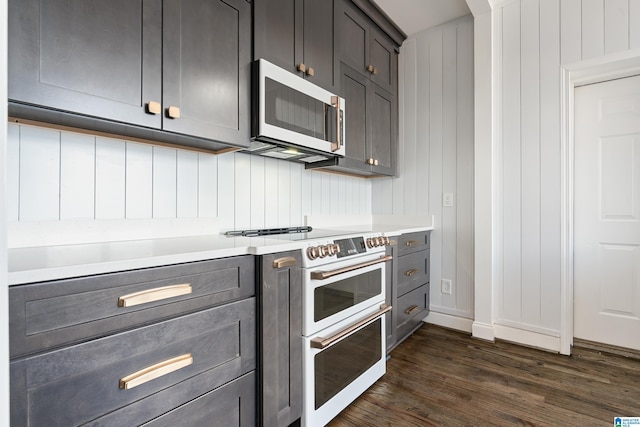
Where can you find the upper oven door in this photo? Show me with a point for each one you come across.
(336, 291)
(295, 111)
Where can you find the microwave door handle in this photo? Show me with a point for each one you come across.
(335, 101)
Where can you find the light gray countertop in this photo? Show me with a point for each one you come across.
(44, 263)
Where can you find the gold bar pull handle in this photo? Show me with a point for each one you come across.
(411, 243)
(320, 342)
(154, 107)
(155, 371)
(284, 262)
(411, 309)
(411, 272)
(155, 294)
(335, 101)
(322, 275)
(173, 112)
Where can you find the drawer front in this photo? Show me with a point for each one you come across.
(50, 314)
(411, 310)
(232, 405)
(78, 384)
(412, 242)
(413, 271)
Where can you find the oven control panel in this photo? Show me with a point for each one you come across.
(349, 247)
(343, 248)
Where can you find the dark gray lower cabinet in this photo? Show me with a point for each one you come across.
(162, 371)
(232, 405)
(409, 294)
(280, 307)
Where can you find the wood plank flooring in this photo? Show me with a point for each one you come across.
(440, 377)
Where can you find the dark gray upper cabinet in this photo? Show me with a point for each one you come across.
(370, 127)
(90, 57)
(299, 36)
(280, 332)
(206, 68)
(365, 48)
(118, 66)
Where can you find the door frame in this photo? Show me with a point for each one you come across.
(614, 66)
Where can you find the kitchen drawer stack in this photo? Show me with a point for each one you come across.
(411, 290)
(163, 346)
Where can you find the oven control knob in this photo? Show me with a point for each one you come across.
(333, 249)
(324, 251)
(313, 252)
(370, 242)
(380, 241)
(386, 241)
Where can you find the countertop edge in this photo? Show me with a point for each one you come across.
(220, 247)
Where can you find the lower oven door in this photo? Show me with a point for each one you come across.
(340, 290)
(340, 363)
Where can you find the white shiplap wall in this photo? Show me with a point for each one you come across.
(436, 155)
(534, 39)
(57, 175)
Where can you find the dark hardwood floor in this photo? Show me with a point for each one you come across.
(440, 377)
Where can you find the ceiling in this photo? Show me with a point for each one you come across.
(413, 16)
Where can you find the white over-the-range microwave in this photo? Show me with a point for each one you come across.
(294, 119)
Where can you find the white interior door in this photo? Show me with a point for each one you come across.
(607, 213)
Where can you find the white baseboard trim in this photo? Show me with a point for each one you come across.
(483, 331)
(448, 321)
(528, 338)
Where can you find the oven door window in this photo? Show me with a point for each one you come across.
(336, 367)
(340, 295)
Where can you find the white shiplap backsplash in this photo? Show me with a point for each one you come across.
(57, 175)
(436, 156)
(535, 38)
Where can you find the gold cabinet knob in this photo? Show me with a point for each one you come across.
(154, 107)
(310, 72)
(369, 161)
(173, 112)
(375, 162)
(370, 68)
(302, 68)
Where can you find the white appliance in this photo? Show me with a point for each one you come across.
(293, 119)
(344, 340)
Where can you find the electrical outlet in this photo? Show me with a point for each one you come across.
(447, 200)
(445, 286)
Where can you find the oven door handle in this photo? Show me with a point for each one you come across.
(320, 342)
(321, 275)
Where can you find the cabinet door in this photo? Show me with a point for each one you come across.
(276, 32)
(354, 90)
(280, 296)
(318, 42)
(206, 74)
(352, 27)
(382, 134)
(383, 58)
(92, 57)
